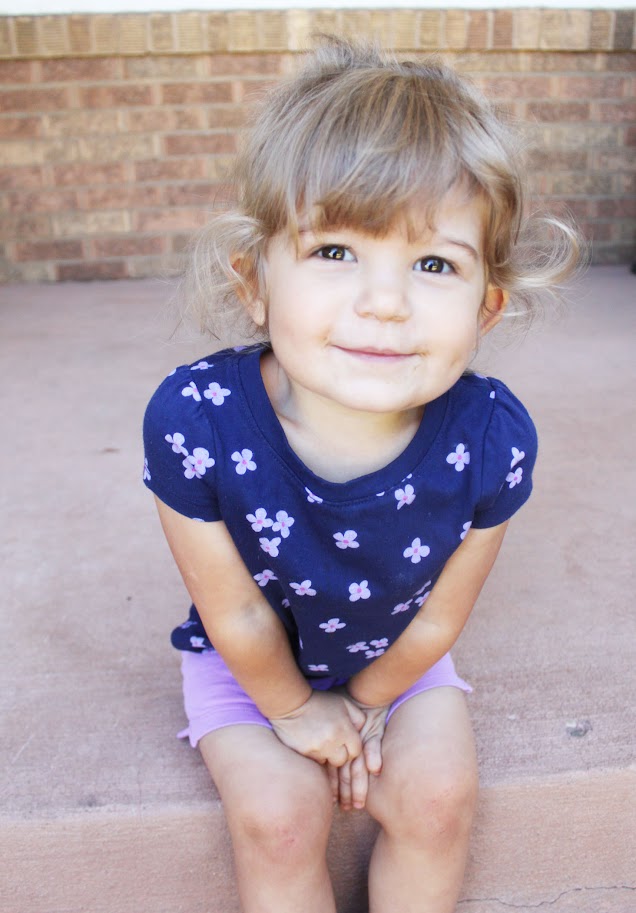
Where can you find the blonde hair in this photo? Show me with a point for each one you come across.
(354, 140)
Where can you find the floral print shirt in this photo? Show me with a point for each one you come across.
(345, 565)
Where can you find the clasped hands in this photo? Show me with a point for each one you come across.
(333, 729)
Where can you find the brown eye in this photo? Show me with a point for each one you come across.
(433, 265)
(334, 252)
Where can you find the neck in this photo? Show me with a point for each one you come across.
(337, 443)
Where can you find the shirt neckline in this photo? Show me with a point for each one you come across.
(390, 476)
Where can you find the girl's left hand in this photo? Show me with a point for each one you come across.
(350, 783)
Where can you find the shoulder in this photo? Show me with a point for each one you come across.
(494, 407)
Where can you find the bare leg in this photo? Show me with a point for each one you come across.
(278, 807)
(424, 800)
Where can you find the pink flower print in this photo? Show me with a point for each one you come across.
(177, 440)
(283, 523)
(514, 478)
(405, 495)
(460, 458)
(201, 366)
(492, 394)
(243, 461)
(146, 470)
(197, 642)
(331, 626)
(347, 539)
(286, 604)
(187, 624)
(465, 528)
(303, 589)
(270, 546)
(192, 390)
(216, 393)
(197, 463)
(517, 456)
(357, 648)
(359, 591)
(420, 600)
(312, 498)
(416, 551)
(264, 578)
(380, 647)
(402, 607)
(422, 588)
(323, 667)
(259, 519)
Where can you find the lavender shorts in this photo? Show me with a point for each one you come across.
(213, 698)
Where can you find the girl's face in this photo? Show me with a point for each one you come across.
(380, 324)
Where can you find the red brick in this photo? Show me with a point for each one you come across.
(478, 29)
(25, 178)
(84, 272)
(244, 64)
(618, 112)
(192, 194)
(206, 144)
(25, 227)
(92, 69)
(20, 126)
(123, 197)
(600, 86)
(20, 71)
(630, 136)
(550, 159)
(618, 62)
(555, 111)
(184, 169)
(49, 250)
(624, 30)
(516, 87)
(129, 247)
(21, 100)
(502, 29)
(80, 173)
(41, 201)
(561, 61)
(616, 209)
(170, 220)
(192, 93)
(226, 116)
(121, 96)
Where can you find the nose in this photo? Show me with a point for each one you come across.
(384, 297)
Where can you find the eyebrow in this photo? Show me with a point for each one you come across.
(457, 242)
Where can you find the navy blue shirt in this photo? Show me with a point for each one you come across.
(346, 566)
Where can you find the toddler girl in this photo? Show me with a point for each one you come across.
(335, 494)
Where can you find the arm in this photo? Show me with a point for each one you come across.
(252, 640)
(437, 625)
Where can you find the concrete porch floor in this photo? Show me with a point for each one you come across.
(104, 811)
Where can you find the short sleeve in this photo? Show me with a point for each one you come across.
(179, 465)
(510, 451)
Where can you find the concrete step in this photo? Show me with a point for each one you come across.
(104, 811)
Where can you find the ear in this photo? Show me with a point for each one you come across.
(247, 291)
(492, 310)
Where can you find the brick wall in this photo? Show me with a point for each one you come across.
(116, 130)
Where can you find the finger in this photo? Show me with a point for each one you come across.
(344, 784)
(373, 755)
(359, 782)
(334, 785)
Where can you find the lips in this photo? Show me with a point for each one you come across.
(371, 352)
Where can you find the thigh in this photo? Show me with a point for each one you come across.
(428, 756)
(261, 780)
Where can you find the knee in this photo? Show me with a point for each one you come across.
(428, 803)
(286, 825)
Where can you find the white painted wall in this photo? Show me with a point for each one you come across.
(51, 7)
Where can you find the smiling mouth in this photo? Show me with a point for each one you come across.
(386, 355)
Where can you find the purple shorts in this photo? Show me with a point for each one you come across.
(213, 698)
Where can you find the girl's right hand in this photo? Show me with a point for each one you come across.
(325, 728)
